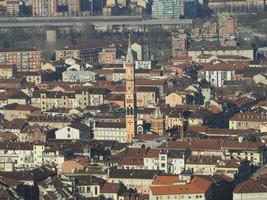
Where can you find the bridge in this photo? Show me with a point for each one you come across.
(79, 22)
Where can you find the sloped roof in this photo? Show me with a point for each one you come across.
(198, 185)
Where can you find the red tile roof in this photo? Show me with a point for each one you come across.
(233, 144)
(177, 145)
(198, 185)
(206, 144)
(110, 188)
(252, 186)
(165, 180)
(227, 66)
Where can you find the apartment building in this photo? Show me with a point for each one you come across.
(25, 60)
(107, 55)
(114, 131)
(166, 9)
(44, 8)
(7, 71)
(46, 100)
(79, 74)
(170, 162)
(179, 44)
(214, 48)
(14, 110)
(87, 53)
(249, 120)
(12, 7)
(255, 152)
(218, 73)
(53, 121)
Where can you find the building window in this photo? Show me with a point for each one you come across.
(68, 129)
(82, 190)
(68, 135)
(96, 190)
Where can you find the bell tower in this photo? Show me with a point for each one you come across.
(130, 96)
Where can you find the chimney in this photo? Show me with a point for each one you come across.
(181, 130)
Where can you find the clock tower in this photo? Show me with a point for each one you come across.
(130, 96)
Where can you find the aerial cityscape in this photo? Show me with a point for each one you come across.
(133, 99)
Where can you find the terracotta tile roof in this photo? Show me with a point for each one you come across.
(16, 146)
(14, 124)
(11, 182)
(80, 126)
(243, 101)
(214, 109)
(110, 188)
(202, 113)
(15, 106)
(227, 66)
(133, 156)
(233, 144)
(227, 132)
(252, 186)
(206, 144)
(152, 153)
(81, 160)
(198, 128)
(256, 115)
(133, 174)
(53, 118)
(165, 180)
(198, 185)
(146, 137)
(110, 125)
(125, 161)
(183, 58)
(232, 163)
(6, 66)
(7, 136)
(178, 145)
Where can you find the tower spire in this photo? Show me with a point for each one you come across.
(129, 56)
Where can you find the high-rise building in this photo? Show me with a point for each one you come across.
(44, 8)
(74, 7)
(190, 7)
(179, 43)
(12, 7)
(182, 7)
(130, 96)
(227, 30)
(165, 8)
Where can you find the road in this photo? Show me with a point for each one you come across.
(80, 21)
